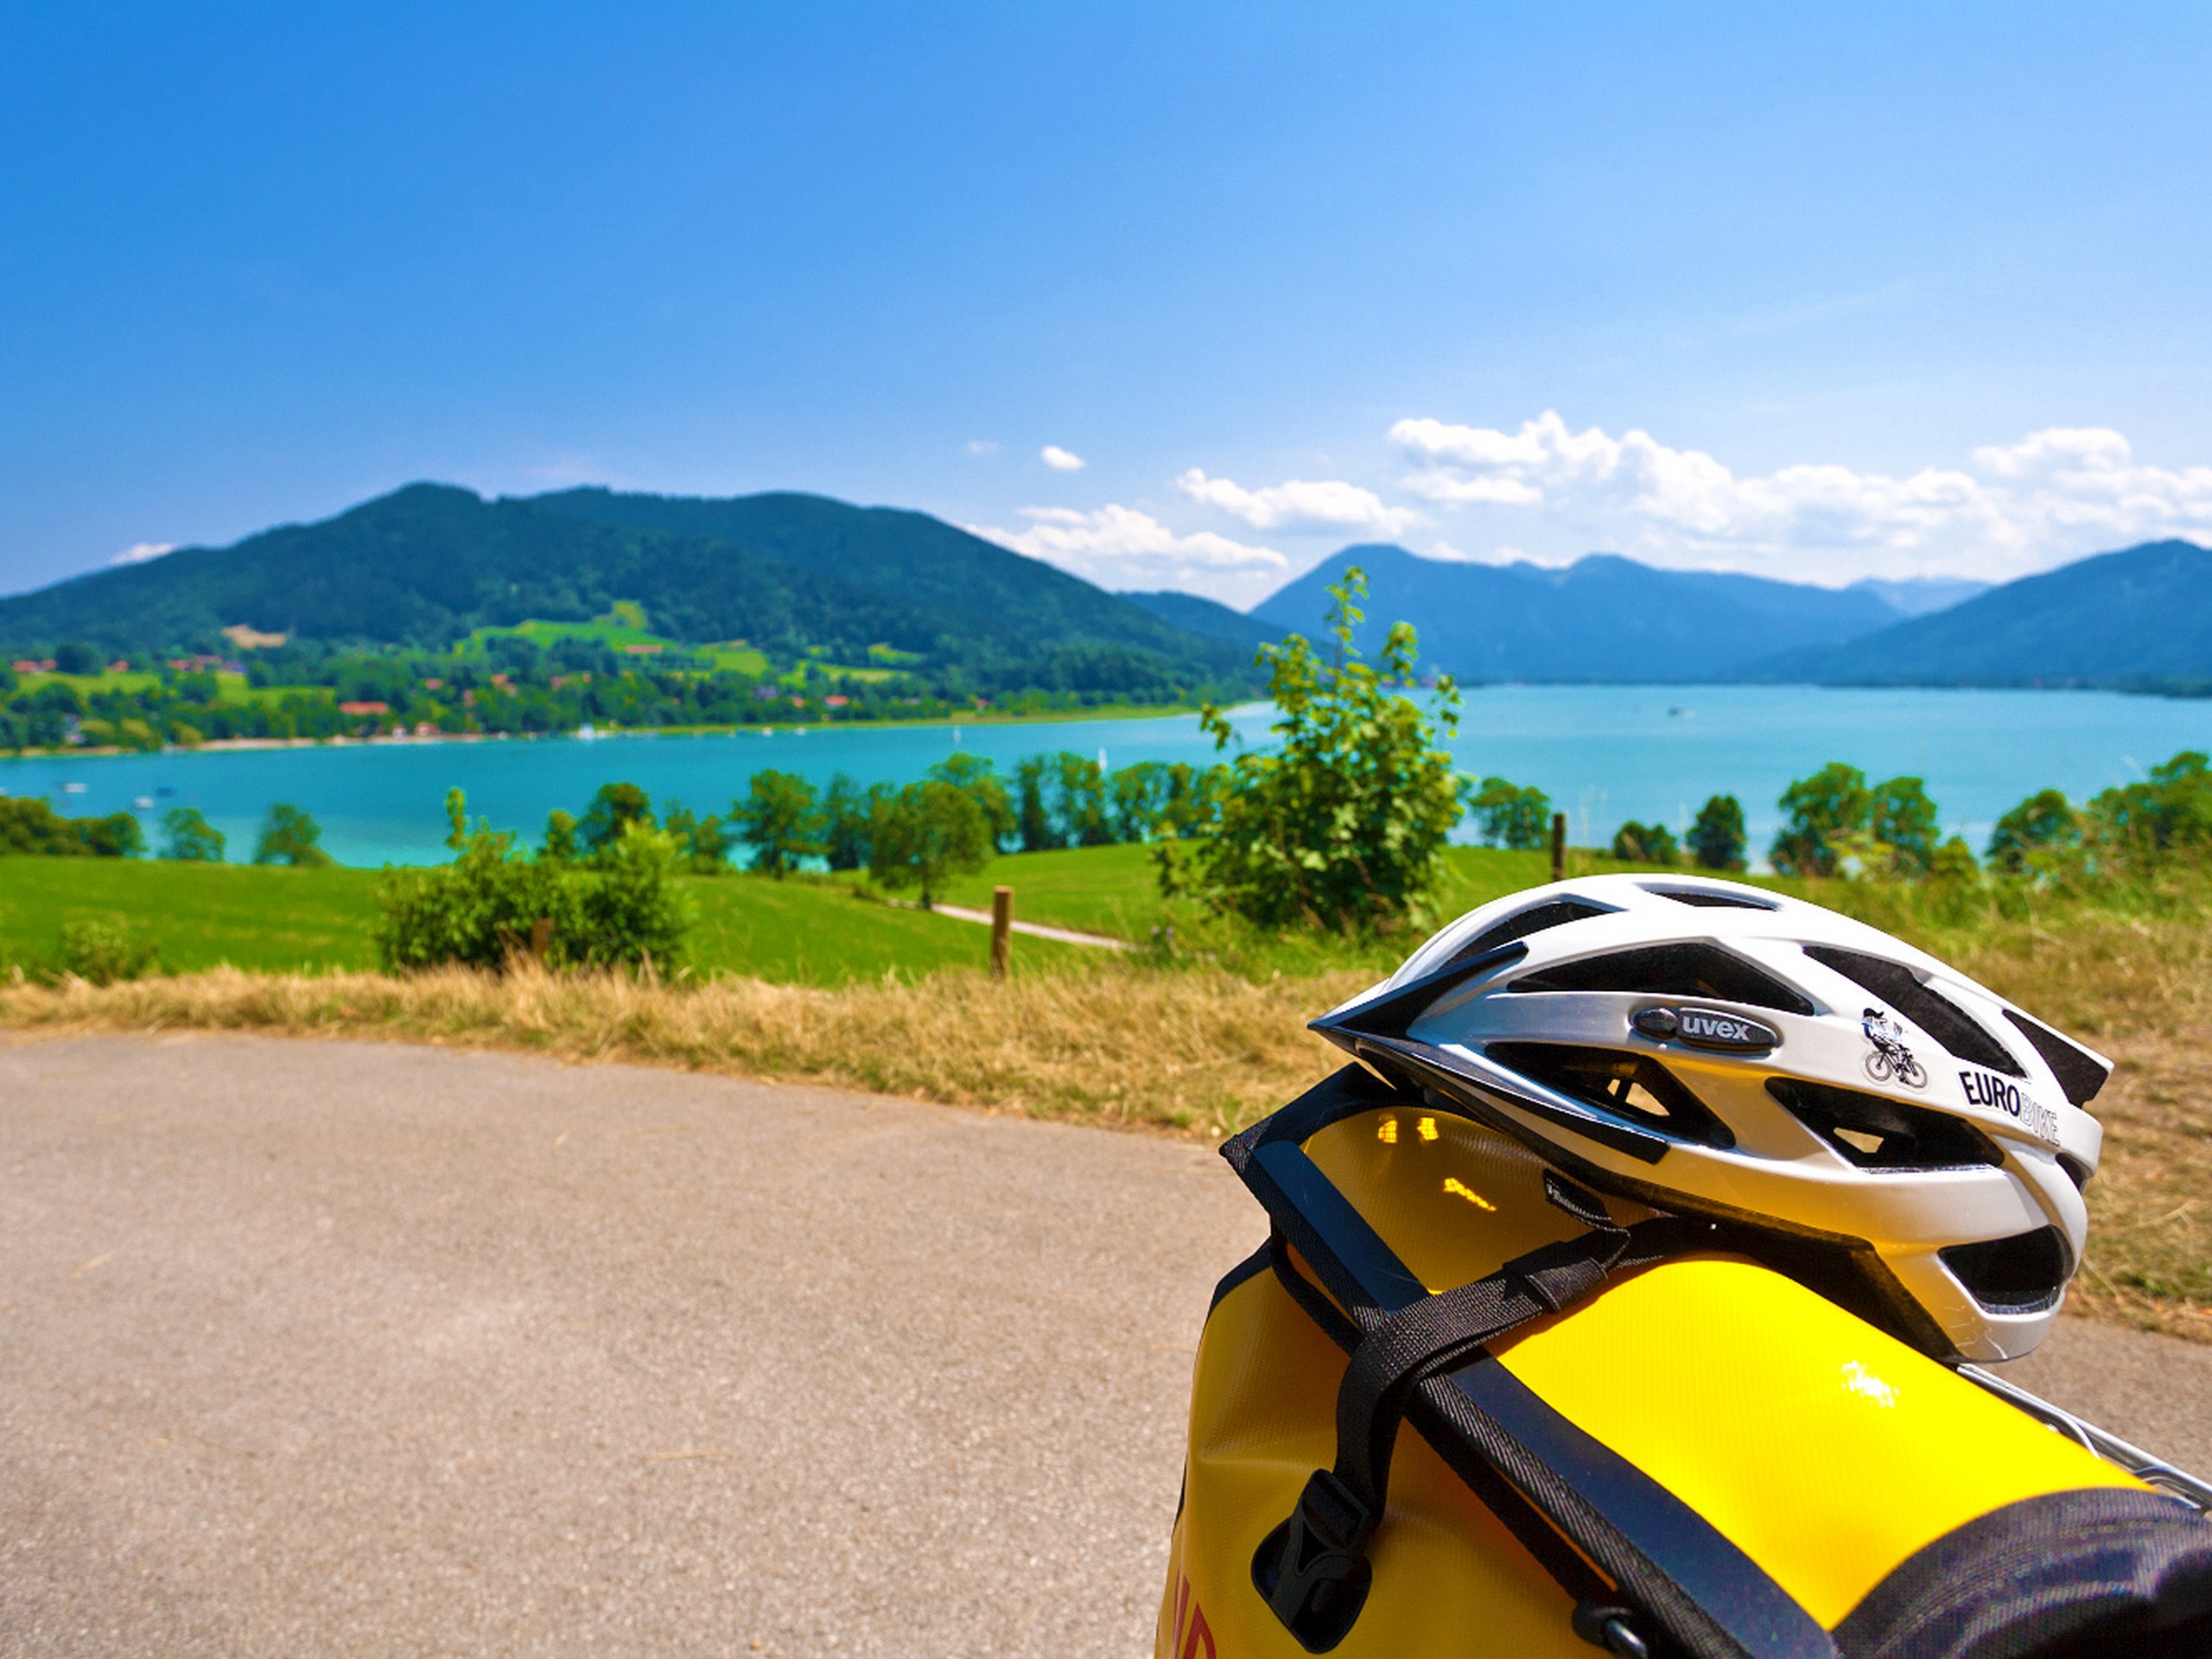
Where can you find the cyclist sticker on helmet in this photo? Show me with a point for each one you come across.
(1888, 1058)
(1987, 1089)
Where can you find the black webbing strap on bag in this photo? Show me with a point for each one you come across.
(1668, 1577)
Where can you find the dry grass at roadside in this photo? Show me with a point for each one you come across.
(1200, 1052)
(1206, 1051)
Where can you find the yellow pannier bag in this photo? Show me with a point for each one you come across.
(1670, 1445)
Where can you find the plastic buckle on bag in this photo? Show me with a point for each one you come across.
(1313, 1569)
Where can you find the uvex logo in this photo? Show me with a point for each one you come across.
(1707, 1028)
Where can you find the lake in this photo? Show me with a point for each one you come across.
(1604, 753)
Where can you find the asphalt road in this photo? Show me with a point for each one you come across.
(332, 1349)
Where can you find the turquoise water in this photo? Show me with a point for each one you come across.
(1604, 753)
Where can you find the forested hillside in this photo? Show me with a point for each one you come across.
(2138, 619)
(791, 575)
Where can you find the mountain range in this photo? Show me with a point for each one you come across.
(1602, 617)
(2137, 620)
(427, 563)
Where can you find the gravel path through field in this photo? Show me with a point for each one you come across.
(328, 1348)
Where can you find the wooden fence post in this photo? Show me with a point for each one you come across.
(1558, 846)
(541, 938)
(1001, 931)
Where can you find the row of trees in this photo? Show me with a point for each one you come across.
(507, 685)
(1838, 823)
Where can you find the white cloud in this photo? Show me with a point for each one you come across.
(139, 552)
(1061, 460)
(2055, 494)
(983, 446)
(1121, 547)
(1300, 504)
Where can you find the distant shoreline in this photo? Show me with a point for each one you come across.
(408, 740)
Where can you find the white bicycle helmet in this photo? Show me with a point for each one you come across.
(1898, 1132)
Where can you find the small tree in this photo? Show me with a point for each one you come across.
(2171, 808)
(1828, 812)
(778, 817)
(289, 835)
(924, 834)
(191, 839)
(2042, 825)
(1343, 824)
(1717, 840)
(611, 814)
(847, 812)
(1511, 816)
(119, 835)
(980, 780)
(708, 846)
(1032, 814)
(1081, 800)
(1840, 824)
(1136, 796)
(1903, 820)
(1645, 843)
(1190, 800)
(560, 845)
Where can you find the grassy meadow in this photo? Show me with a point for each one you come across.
(269, 920)
(808, 979)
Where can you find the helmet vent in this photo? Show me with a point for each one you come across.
(2080, 1073)
(1669, 970)
(1927, 1007)
(1710, 900)
(2024, 1273)
(1534, 919)
(1633, 1086)
(1877, 1133)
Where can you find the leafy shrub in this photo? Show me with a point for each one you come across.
(490, 904)
(480, 910)
(1342, 826)
(628, 911)
(101, 952)
(289, 835)
(28, 825)
(191, 839)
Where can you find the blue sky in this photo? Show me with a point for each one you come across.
(1815, 292)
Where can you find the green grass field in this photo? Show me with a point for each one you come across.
(1114, 891)
(283, 920)
(201, 914)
